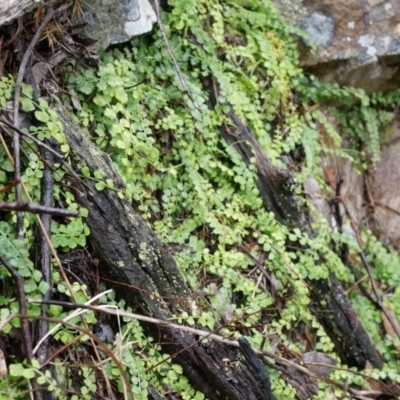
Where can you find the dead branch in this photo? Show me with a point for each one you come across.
(258, 368)
(36, 208)
(85, 330)
(377, 301)
(26, 329)
(288, 364)
(37, 141)
(44, 256)
(172, 55)
(17, 94)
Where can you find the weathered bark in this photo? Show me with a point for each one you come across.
(259, 371)
(154, 395)
(336, 313)
(43, 263)
(145, 275)
(273, 183)
(131, 254)
(331, 304)
(332, 307)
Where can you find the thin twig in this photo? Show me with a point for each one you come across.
(59, 156)
(52, 249)
(85, 330)
(393, 210)
(378, 300)
(17, 94)
(36, 208)
(172, 55)
(44, 259)
(26, 332)
(33, 150)
(37, 141)
(204, 334)
(369, 272)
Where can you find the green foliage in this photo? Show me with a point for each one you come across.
(51, 127)
(385, 261)
(6, 89)
(192, 185)
(67, 234)
(368, 122)
(195, 190)
(15, 251)
(385, 264)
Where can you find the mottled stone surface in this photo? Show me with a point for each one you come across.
(112, 22)
(372, 197)
(357, 41)
(319, 28)
(352, 191)
(106, 21)
(384, 188)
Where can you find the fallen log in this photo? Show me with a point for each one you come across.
(331, 304)
(145, 275)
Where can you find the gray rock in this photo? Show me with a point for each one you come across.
(357, 41)
(104, 332)
(394, 47)
(111, 22)
(106, 21)
(384, 189)
(319, 27)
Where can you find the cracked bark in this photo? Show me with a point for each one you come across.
(332, 307)
(130, 253)
(147, 278)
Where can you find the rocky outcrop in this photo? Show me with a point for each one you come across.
(357, 42)
(111, 22)
(104, 22)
